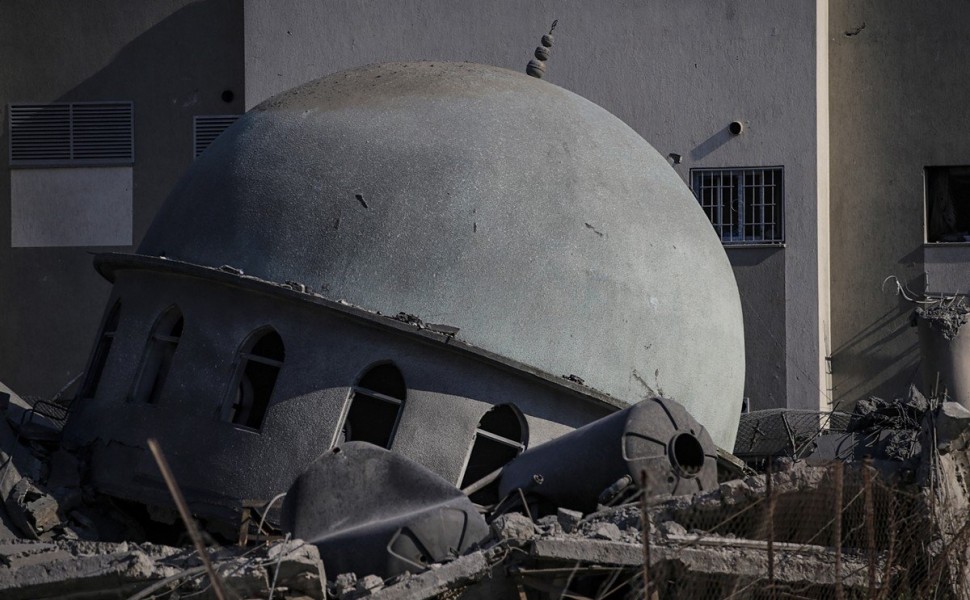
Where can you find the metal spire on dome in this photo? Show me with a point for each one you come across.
(537, 66)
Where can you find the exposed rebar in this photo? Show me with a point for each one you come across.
(190, 525)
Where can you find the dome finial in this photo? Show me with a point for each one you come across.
(537, 66)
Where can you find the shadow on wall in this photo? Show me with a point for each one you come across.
(711, 144)
(863, 363)
(760, 274)
(176, 69)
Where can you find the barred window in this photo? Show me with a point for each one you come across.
(72, 134)
(746, 206)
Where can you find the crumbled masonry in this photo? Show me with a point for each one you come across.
(947, 318)
(710, 544)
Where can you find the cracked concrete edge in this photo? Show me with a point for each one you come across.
(465, 570)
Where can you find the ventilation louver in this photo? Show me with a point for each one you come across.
(72, 134)
(206, 128)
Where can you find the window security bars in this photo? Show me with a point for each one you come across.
(746, 206)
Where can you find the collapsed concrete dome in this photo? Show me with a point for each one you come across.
(546, 236)
(531, 218)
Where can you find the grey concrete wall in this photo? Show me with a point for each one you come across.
(761, 280)
(70, 207)
(946, 268)
(216, 462)
(173, 59)
(898, 79)
(677, 74)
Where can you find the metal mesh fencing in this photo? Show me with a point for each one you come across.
(840, 532)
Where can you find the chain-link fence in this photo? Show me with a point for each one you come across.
(840, 531)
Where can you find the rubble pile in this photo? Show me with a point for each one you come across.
(897, 488)
(890, 432)
(77, 569)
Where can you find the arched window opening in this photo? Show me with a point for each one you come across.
(256, 372)
(156, 362)
(502, 434)
(101, 351)
(375, 406)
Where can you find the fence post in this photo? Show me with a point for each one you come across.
(891, 552)
(870, 524)
(837, 528)
(771, 531)
(645, 527)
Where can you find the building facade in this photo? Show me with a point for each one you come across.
(806, 129)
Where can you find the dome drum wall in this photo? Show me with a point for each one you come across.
(219, 463)
(538, 223)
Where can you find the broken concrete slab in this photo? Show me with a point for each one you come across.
(513, 527)
(952, 422)
(457, 574)
(32, 510)
(298, 564)
(729, 560)
(388, 515)
(68, 570)
(569, 519)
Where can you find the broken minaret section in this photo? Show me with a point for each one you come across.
(537, 66)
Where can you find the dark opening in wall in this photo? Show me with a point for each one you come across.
(375, 406)
(101, 351)
(502, 434)
(156, 362)
(257, 368)
(948, 204)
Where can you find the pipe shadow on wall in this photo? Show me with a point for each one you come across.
(711, 144)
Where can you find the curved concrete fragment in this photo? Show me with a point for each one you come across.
(371, 511)
(657, 438)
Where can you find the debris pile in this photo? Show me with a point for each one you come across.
(78, 569)
(881, 506)
(945, 317)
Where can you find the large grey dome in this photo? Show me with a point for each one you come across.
(538, 223)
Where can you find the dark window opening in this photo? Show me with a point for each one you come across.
(375, 406)
(156, 362)
(948, 204)
(746, 206)
(101, 351)
(256, 373)
(500, 437)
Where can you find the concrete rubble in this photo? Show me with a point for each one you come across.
(61, 539)
(52, 547)
(77, 569)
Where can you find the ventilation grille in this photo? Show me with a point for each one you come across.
(206, 128)
(72, 134)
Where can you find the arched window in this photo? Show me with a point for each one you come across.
(257, 368)
(101, 351)
(502, 434)
(375, 406)
(157, 359)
